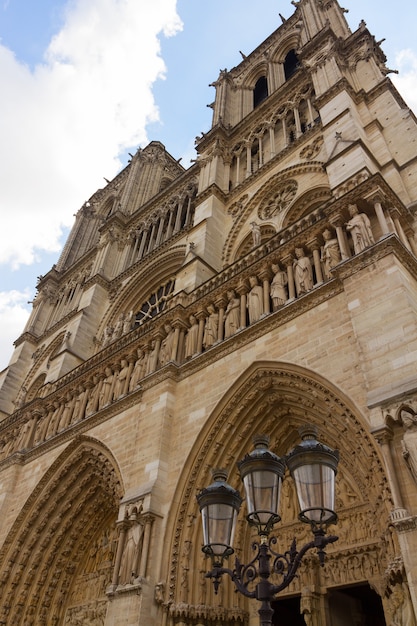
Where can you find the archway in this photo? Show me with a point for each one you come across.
(278, 398)
(57, 558)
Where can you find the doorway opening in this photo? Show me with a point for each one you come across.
(287, 611)
(359, 605)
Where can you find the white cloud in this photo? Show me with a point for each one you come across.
(406, 80)
(13, 316)
(64, 124)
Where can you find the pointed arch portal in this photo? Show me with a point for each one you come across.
(50, 557)
(276, 399)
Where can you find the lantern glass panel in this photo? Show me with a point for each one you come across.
(219, 523)
(262, 490)
(315, 485)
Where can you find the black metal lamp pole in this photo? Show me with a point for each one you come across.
(313, 467)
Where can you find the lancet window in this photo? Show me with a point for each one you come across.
(162, 224)
(291, 64)
(272, 136)
(260, 92)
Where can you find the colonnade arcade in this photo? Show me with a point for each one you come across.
(276, 399)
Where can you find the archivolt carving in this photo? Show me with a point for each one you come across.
(277, 399)
(50, 543)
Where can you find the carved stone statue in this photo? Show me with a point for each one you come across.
(232, 314)
(159, 592)
(128, 567)
(359, 227)
(255, 302)
(303, 272)
(211, 328)
(256, 234)
(330, 253)
(165, 350)
(402, 613)
(191, 339)
(409, 441)
(119, 388)
(105, 391)
(118, 329)
(127, 322)
(278, 290)
(139, 370)
(108, 336)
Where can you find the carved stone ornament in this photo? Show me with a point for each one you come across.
(279, 201)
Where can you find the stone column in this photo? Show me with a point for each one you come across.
(200, 315)
(151, 239)
(401, 234)
(142, 242)
(381, 217)
(220, 305)
(314, 245)
(242, 290)
(284, 131)
(384, 436)
(337, 222)
(227, 161)
(238, 169)
(248, 160)
(272, 140)
(178, 217)
(122, 527)
(260, 153)
(169, 227)
(310, 112)
(187, 216)
(297, 122)
(145, 546)
(181, 342)
(160, 229)
(265, 276)
(288, 260)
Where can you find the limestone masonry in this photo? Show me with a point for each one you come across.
(270, 285)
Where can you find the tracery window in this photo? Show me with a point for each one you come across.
(155, 303)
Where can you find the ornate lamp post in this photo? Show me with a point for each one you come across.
(313, 467)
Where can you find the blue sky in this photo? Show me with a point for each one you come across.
(84, 82)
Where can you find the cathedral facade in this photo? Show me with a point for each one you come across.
(270, 285)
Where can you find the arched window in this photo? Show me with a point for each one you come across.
(290, 64)
(260, 93)
(154, 304)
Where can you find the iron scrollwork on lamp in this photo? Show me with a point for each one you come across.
(313, 467)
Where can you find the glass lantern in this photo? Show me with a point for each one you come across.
(262, 472)
(219, 505)
(313, 467)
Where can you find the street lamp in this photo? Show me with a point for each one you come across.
(313, 467)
